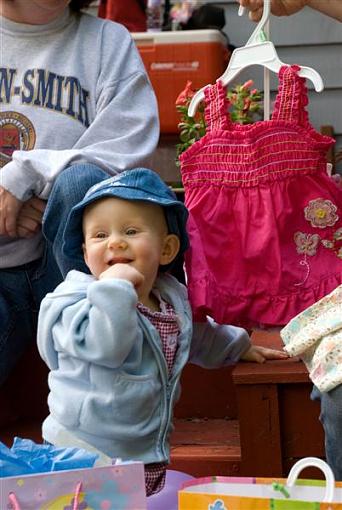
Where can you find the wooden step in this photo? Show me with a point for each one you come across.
(207, 393)
(205, 447)
(285, 425)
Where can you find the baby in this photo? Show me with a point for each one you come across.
(116, 341)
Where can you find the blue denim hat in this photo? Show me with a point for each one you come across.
(138, 184)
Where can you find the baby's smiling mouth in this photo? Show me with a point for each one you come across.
(118, 260)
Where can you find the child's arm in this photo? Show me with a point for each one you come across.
(96, 322)
(215, 345)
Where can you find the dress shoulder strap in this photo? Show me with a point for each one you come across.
(216, 108)
(292, 97)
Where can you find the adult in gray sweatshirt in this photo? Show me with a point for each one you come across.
(76, 105)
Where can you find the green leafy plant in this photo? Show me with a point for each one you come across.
(245, 108)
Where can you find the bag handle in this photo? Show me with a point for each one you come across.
(77, 496)
(320, 464)
(12, 498)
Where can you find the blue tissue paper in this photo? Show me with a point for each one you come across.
(27, 457)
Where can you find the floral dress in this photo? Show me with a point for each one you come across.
(316, 336)
(265, 222)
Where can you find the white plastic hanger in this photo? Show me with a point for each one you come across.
(255, 53)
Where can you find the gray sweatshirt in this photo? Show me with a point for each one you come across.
(74, 90)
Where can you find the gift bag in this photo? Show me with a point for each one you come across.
(117, 487)
(229, 493)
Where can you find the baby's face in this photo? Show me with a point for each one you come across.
(122, 231)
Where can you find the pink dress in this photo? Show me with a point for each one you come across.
(265, 221)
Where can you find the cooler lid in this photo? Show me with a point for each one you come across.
(178, 37)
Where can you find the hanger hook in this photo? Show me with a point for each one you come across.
(254, 38)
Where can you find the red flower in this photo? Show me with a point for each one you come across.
(247, 84)
(185, 95)
(246, 104)
(233, 98)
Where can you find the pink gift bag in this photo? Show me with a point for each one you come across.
(118, 487)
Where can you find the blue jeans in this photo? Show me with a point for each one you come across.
(331, 419)
(22, 288)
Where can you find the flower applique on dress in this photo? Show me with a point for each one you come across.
(320, 214)
(334, 243)
(265, 217)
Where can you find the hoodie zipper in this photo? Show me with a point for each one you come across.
(166, 387)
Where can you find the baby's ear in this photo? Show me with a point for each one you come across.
(85, 253)
(170, 249)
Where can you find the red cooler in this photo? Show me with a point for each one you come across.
(172, 58)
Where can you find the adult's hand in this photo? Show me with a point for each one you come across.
(278, 7)
(9, 210)
(30, 217)
(332, 8)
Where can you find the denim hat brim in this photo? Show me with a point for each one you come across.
(176, 213)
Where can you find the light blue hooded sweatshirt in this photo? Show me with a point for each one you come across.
(109, 383)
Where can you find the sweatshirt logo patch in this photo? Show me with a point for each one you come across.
(16, 133)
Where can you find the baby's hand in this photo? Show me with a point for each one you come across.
(123, 272)
(260, 354)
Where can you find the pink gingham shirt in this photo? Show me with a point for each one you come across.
(165, 322)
